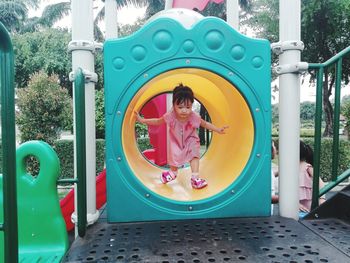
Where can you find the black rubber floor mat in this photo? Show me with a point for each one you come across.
(272, 239)
(335, 231)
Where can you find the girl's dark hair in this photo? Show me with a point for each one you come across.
(182, 94)
(306, 153)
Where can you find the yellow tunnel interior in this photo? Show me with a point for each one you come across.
(227, 154)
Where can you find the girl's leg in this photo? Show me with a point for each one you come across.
(195, 166)
(196, 182)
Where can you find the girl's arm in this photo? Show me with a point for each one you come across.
(153, 121)
(212, 127)
(310, 171)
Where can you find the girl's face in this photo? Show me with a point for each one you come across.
(183, 110)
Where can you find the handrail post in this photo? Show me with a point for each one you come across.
(317, 143)
(335, 159)
(79, 91)
(8, 137)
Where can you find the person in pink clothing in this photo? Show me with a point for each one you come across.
(305, 179)
(184, 143)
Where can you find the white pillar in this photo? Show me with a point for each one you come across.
(232, 13)
(168, 4)
(289, 112)
(111, 20)
(82, 40)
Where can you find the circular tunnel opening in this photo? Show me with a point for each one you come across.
(228, 154)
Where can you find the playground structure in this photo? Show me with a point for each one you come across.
(244, 190)
(232, 81)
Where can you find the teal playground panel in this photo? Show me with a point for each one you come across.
(159, 47)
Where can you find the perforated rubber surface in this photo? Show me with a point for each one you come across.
(272, 239)
(333, 230)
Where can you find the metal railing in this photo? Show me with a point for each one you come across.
(79, 99)
(8, 137)
(321, 70)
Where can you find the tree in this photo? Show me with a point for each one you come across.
(44, 108)
(51, 14)
(324, 31)
(14, 15)
(42, 51)
(307, 111)
(128, 29)
(325, 25)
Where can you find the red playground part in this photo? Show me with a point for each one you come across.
(155, 108)
(67, 203)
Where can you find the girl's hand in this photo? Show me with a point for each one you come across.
(222, 130)
(138, 117)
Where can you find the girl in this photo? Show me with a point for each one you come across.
(305, 179)
(184, 141)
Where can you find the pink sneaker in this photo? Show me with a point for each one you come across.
(198, 183)
(167, 177)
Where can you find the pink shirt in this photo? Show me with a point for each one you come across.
(305, 185)
(183, 138)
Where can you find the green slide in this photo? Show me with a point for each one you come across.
(42, 234)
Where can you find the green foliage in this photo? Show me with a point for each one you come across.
(214, 9)
(304, 132)
(141, 130)
(44, 109)
(142, 137)
(99, 70)
(324, 31)
(12, 14)
(50, 15)
(65, 152)
(100, 114)
(128, 29)
(42, 51)
(264, 19)
(274, 112)
(144, 144)
(346, 112)
(326, 156)
(307, 110)
(345, 99)
(325, 25)
(307, 113)
(100, 155)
